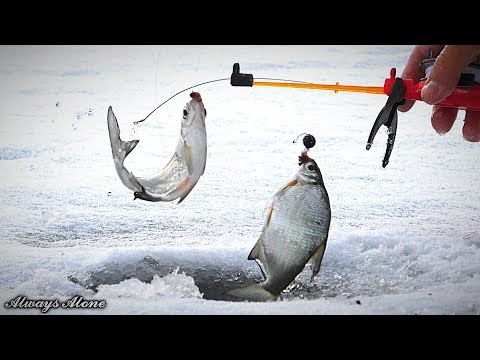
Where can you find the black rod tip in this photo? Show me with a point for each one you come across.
(239, 79)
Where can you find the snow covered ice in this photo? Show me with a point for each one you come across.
(403, 240)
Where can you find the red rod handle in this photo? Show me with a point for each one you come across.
(462, 97)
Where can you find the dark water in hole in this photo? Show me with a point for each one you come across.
(214, 280)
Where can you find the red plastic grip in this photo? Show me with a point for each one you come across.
(462, 97)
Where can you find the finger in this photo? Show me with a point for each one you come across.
(471, 126)
(412, 67)
(407, 106)
(446, 71)
(443, 118)
(420, 52)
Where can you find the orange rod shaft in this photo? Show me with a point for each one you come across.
(336, 87)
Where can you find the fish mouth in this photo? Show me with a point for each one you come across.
(143, 195)
(196, 96)
(304, 158)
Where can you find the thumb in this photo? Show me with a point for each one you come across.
(446, 71)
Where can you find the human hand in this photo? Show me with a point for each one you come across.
(449, 63)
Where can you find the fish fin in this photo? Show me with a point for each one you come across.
(257, 249)
(256, 252)
(181, 190)
(185, 195)
(287, 186)
(261, 270)
(255, 292)
(188, 157)
(268, 216)
(316, 260)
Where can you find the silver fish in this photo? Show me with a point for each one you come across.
(184, 169)
(295, 232)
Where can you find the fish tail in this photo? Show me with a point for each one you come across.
(120, 150)
(255, 292)
(128, 146)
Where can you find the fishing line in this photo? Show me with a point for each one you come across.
(156, 71)
(171, 97)
(208, 82)
(294, 141)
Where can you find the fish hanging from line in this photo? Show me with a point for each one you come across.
(177, 179)
(294, 233)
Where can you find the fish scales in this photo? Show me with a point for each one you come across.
(291, 240)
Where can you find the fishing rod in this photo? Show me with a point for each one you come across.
(204, 83)
(466, 95)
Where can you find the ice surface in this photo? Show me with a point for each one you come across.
(403, 240)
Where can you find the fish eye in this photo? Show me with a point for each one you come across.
(205, 112)
(310, 167)
(185, 112)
